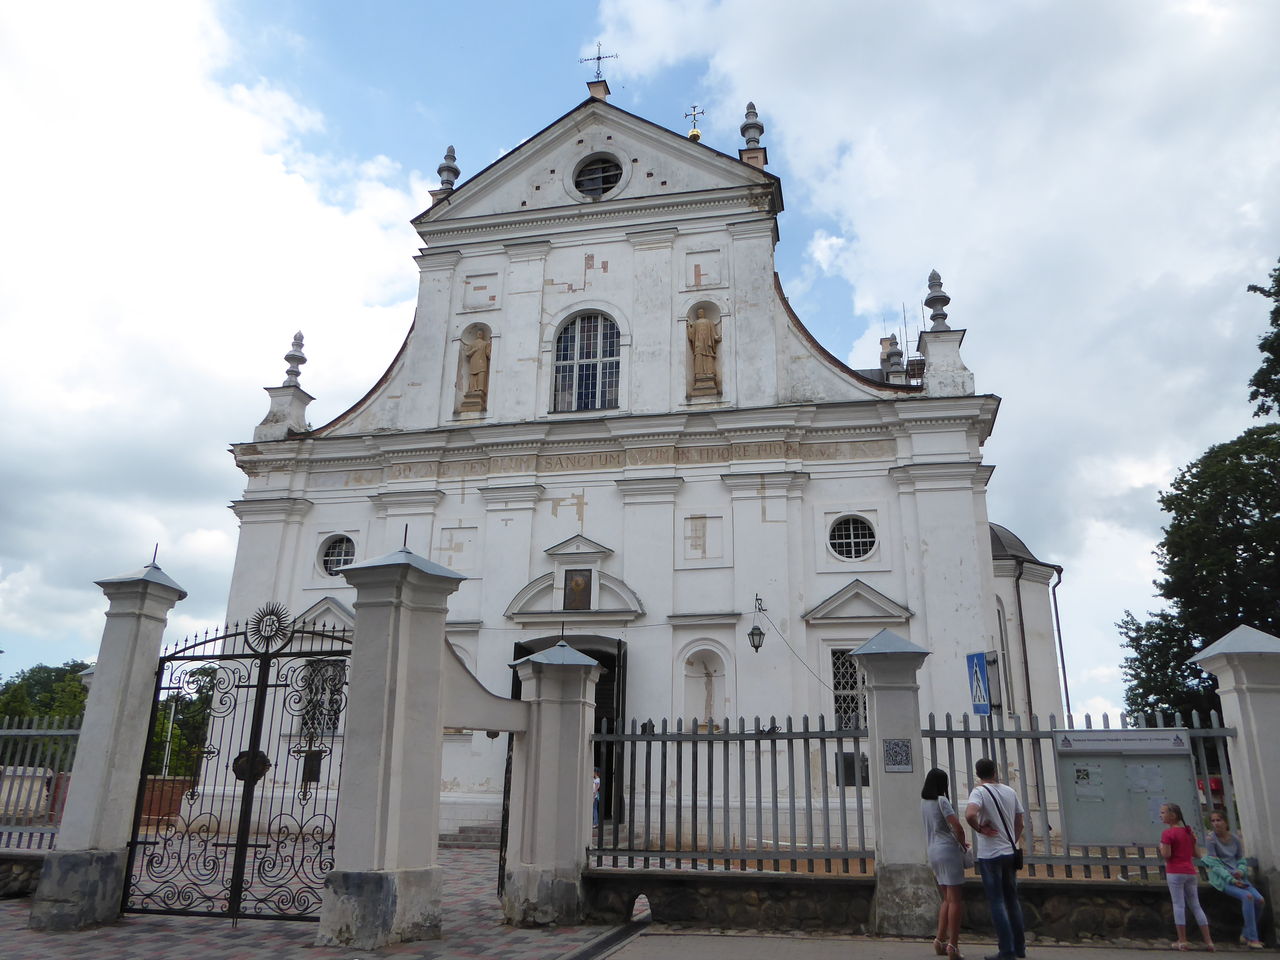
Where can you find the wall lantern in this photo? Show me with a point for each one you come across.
(755, 636)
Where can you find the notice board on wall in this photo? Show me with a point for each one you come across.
(1111, 783)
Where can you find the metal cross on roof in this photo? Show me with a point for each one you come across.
(598, 57)
(694, 113)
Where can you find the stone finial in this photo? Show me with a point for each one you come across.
(890, 354)
(295, 359)
(751, 128)
(936, 301)
(448, 170)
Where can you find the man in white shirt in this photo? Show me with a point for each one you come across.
(996, 815)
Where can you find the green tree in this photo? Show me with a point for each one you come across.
(1265, 384)
(1158, 678)
(1219, 556)
(44, 691)
(178, 731)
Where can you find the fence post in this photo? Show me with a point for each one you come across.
(82, 882)
(905, 902)
(1246, 663)
(386, 884)
(551, 789)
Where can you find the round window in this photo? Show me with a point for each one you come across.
(338, 552)
(851, 538)
(597, 176)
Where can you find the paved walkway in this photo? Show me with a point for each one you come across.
(659, 943)
(473, 928)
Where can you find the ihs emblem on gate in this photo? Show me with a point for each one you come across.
(269, 627)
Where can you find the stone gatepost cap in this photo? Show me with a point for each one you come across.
(1243, 639)
(404, 557)
(886, 641)
(150, 574)
(561, 654)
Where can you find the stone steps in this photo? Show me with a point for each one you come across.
(485, 836)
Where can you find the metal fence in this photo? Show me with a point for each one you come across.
(707, 796)
(36, 754)
(1026, 760)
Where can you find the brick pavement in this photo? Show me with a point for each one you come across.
(473, 928)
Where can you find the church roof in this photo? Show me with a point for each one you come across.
(1006, 545)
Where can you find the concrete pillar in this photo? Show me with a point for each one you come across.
(82, 882)
(385, 887)
(906, 900)
(551, 789)
(1246, 663)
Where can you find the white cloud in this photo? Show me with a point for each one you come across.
(1095, 182)
(165, 233)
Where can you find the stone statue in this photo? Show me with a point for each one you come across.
(704, 341)
(477, 354)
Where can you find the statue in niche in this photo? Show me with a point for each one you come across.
(704, 342)
(476, 354)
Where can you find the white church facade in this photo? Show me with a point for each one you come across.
(607, 417)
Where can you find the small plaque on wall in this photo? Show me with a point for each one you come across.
(897, 756)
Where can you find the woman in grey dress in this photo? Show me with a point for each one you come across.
(946, 847)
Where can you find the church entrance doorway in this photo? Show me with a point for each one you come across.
(611, 710)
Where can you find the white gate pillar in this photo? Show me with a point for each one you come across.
(1246, 663)
(386, 884)
(551, 789)
(905, 902)
(82, 882)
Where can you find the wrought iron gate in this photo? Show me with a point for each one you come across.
(239, 790)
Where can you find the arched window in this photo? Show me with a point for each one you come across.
(586, 371)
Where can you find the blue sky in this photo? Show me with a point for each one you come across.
(188, 182)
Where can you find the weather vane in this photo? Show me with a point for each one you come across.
(597, 58)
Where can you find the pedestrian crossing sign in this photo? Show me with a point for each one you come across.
(979, 685)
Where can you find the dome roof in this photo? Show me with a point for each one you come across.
(1005, 545)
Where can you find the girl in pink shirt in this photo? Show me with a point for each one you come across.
(1177, 848)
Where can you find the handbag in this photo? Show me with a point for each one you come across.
(1017, 850)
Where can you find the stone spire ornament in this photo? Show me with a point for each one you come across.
(288, 413)
(295, 358)
(945, 374)
(751, 128)
(937, 301)
(448, 170)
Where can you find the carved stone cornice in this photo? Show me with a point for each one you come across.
(518, 496)
(649, 489)
(271, 509)
(400, 502)
(774, 484)
(916, 477)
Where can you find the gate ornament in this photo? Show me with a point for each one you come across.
(269, 628)
(250, 765)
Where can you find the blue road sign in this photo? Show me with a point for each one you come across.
(979, 686)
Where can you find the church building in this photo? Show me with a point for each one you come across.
(607, 417)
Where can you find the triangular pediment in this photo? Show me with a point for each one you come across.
(539, 173)
(857, 602)
(579, 547)
(329, 611)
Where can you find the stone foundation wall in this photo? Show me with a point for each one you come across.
(19, 873)
(1053, 909)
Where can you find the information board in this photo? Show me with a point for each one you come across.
(1111, 783)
